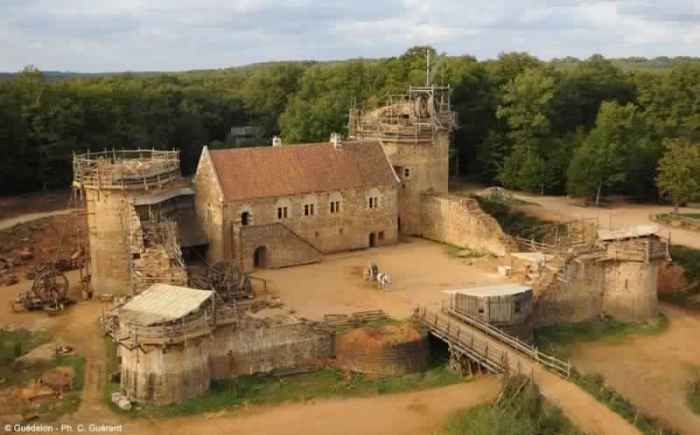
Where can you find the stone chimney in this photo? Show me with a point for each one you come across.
(276, 141)
(336, 141)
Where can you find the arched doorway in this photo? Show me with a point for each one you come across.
(372, 240)
(260, 257)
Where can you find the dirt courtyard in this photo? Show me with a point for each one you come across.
(420, 270)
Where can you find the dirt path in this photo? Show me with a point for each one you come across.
(616, 215)
(416, 413)
(652, 371)
(584, 410)
(11, 222)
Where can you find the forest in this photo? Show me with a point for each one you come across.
(588, 128)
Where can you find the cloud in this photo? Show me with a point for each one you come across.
(86, 35)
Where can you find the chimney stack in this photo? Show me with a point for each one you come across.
(276, 141)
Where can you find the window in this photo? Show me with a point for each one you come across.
(406, 173)
(245, 218)
(380, 236)
(282, 213)
(517, 306)
(373, 201)
(308, 209)
(340, 231)
(335, 207)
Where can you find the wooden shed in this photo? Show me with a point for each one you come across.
(506, 306)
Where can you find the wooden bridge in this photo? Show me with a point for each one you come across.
(485, 344)
(471, 340)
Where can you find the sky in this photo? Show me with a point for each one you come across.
(172, 35)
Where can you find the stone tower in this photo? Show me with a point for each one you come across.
(414, 130)
(130, 196)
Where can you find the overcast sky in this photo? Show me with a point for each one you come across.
(136, 35)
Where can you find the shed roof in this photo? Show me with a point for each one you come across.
(628, 232)
(258, 172)
(492, 290)
(162, 303)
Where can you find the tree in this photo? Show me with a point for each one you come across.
(601, 161)
(679, 172)
(526, 109)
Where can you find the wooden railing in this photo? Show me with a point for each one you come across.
(499, 358)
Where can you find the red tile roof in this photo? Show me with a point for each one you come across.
(258, 172)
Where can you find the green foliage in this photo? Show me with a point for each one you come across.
(693, 395)
(679, 171)
(521, 411)
(18, 342)
(259, 390)
(602, 159)
(595, 385)
(527, 124)
(559, 339)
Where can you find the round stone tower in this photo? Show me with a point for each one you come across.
(414, 130)
(112, 183)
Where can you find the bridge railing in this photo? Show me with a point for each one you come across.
(561, 367)
(454, 333)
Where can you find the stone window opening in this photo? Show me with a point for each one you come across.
(282, 213)
(245, 218)
(335, 207)
(517, 307)
(308, 209)
(380, 235)
(373, 202)
(406, 173)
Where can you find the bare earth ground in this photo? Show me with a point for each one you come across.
(420, 270)
(652, 371)
(648, 370)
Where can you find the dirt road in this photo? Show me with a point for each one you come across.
(11, 222)
(416, 413)
(652, 371)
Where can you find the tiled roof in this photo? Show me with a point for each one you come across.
(162, 303)
(246, 173)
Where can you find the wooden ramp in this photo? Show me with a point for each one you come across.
(499, 352)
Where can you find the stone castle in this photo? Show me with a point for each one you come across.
(291, 204)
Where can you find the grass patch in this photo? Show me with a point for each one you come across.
(464, 253)
(519, 412)
(689, 259)
(595, 385)
(18, 342)
(513, 222)
(693, 396)
(559, 339)
(270, 390)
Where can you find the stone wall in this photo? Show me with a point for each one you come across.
(281, 247)
(169, 374)
(347, 229)
(460, 221)
(109, 253)
(631, 290)
(252, 347)
(574, 295)
(427, 163)
(591, 287)
(208, 202)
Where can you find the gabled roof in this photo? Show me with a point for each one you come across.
(162, 303)
(259, 172)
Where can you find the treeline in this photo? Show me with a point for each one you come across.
(568, 126)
